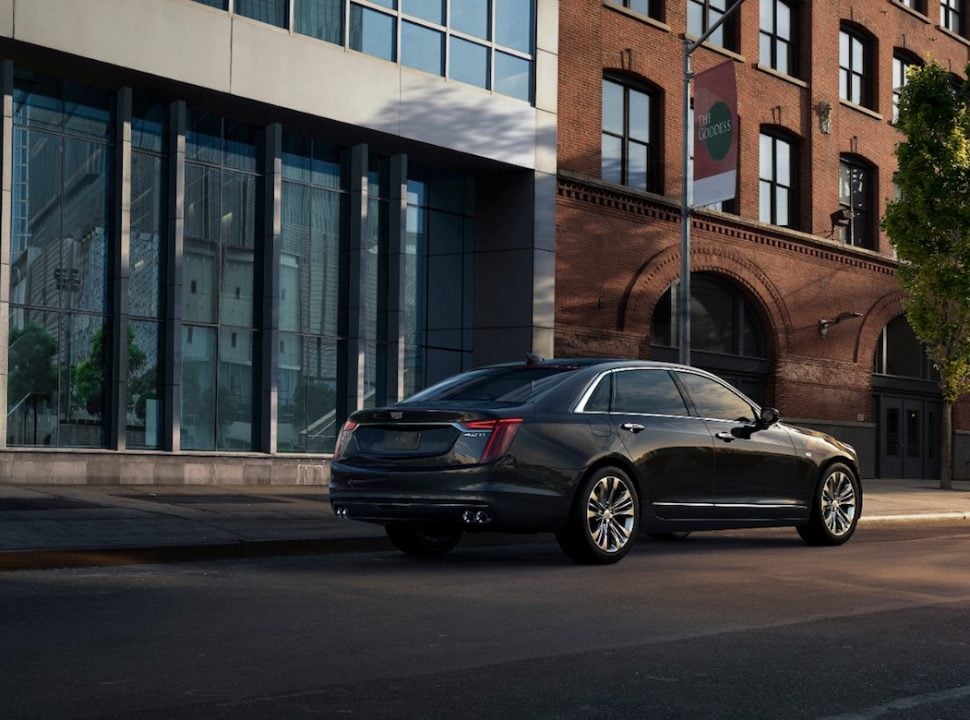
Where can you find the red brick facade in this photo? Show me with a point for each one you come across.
(618, 249)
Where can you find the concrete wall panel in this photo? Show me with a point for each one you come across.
(6, 18)
(181, 40)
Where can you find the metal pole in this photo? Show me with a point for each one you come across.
(687, 194)
(686, 199)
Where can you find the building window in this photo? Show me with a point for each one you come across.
(951, 15)
(628, 139)
(322, 19)
(313, 210)
(899, 352)
(149, 214)
(902, 62)
(856, 199)
(221, 4)
(60, 221)
(267, 11)
(727, 334)
(218, 382)
(855, 68)
(651, 8)
(777, 200)
(777, 36)
(704, 14)
(917, 5)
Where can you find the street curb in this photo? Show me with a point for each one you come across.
(916, 517)
(138, 555)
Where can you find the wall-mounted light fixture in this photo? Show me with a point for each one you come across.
(840, 218)
(824, 325)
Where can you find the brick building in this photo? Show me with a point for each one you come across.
(800, 243)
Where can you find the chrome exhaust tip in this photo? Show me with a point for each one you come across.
(340, 511)
(476, 517)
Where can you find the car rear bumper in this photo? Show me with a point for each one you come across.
(450, 496)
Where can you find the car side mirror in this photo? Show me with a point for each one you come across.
(769, 416)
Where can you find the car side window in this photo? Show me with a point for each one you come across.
(599, 399)
(647, 391)
(714, 400)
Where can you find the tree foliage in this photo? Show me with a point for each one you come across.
(929, 225)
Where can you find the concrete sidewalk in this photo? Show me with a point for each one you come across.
(79, 525)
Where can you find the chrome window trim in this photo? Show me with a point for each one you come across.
(747, 506)
(580, 408)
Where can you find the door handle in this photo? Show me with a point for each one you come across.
(632, 427)
(725, 436)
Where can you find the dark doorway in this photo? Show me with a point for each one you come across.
(908, 436)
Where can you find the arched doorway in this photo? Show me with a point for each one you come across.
(727, 334)
(907, 397)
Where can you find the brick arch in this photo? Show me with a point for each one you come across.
(656, 275)
(885, 309)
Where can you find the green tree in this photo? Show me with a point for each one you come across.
(90, 373)
(32, 372)
(929, 226)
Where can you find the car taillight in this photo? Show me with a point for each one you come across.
(345, 432)
(503, 432)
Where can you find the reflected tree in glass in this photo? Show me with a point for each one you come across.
(33, 375)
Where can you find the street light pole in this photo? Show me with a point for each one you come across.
(687, 193)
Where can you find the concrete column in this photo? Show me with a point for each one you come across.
(119, 246)
(268, 279)
(6, 206)
(396, 250)
(356, 347)
(173, 277)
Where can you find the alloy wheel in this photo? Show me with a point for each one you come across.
(838, 503)
(611, 513)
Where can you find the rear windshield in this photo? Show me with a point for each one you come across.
(511, 385)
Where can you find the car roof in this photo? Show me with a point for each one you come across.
(584, 362)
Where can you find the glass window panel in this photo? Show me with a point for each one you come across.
(32, 380)
(892, 432)
(513, 76)
(82, 275)
(914, 429)
(221, 4)
(904, 350)
(236, 306)
(637, 167)
(296, 157)
(612, 159)
(235, 393)
(322, 19)
(695, 18)
(320, 378)
(430, 10)
(238, 214)
(240, 146)
(87, 110)
(198, 281)
(149, 122)
(144, 421)
(639, 121)
(843, 49)
(291, 394)
(781, 206)
(83, 380)
(712, 318)
(781, 57)
(328, 169)
(599, 399)
(326, 211)
(203, 137)
(844, 84)
(764, 202)
(764, 49)
(423, 48)
(766, 15)
(38, 191)
(716, 401)
(783, 20)
(646, 391)
(766, 160)
(268, 11)
(470, 17)
(148, 213)
(612, 107)
(515, 24)
(38, 100)
(858, 57)
(372, 32)
(783, 169)
(469, 62)
(294, 256)
(198, 416)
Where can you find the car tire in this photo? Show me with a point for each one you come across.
(423, 541)
(603, 523)
(836, 507)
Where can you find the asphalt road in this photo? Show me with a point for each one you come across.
(727, 625)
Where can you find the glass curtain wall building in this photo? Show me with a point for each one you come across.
(62, 297)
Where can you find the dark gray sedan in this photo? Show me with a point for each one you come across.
(594, 451)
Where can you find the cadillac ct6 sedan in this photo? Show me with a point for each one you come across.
(595, 451)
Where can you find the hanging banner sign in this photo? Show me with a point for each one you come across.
(715, 135)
